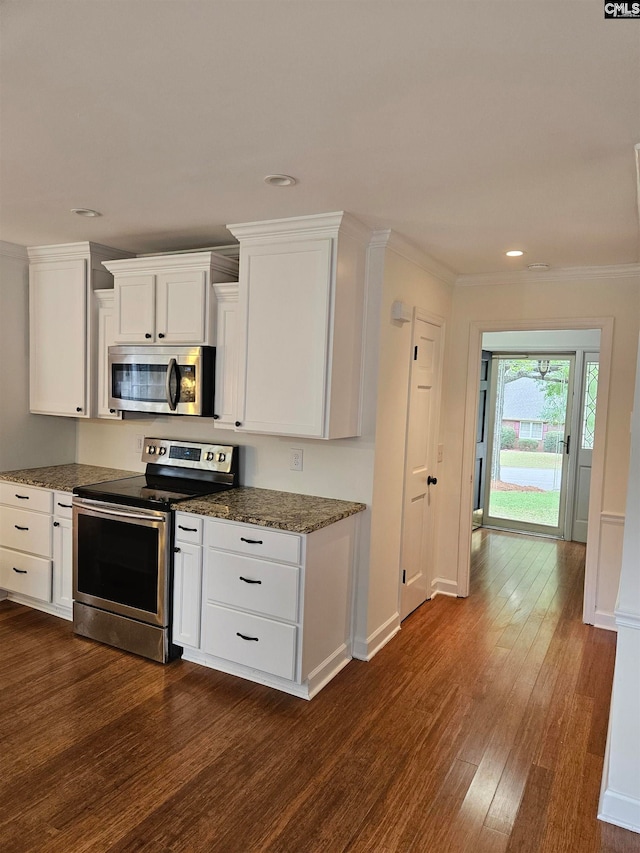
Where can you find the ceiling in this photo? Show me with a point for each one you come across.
(470, 127)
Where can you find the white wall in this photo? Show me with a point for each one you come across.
(405, 275)
(26, 440)
(534, 303)
(620, 799)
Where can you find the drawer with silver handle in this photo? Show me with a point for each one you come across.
(26, 531)
(25, 574)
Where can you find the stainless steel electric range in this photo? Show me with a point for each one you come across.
(123, 544)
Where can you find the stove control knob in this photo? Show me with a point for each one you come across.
(222, 457)
(210, 456)
(151, 449)
(162, 451)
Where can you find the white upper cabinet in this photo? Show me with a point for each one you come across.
(166, 299)
(301, 313)
(226, 354)
(63, 326)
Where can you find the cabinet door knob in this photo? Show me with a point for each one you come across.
(78, 408)
(238, 423)
(148, 335)
(216, 417)
(56, 524)
(176, 550)
(112, 411)
(432, 481)
(161, 334)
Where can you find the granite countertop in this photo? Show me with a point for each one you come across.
(265, 507)
(64, 478)
(268, 508)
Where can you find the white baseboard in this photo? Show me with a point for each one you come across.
(35, 604)
(620, 810)
(366, 649)
(603, 619)
(443, 586)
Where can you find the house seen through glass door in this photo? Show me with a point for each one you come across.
(529, 442)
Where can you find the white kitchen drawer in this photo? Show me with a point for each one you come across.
(25, 531)
(249, 640)
(26, 497)
(254, 541)
(188, 528)
(267, 588)
(25, 574)
(62, 506)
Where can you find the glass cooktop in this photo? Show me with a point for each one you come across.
(149, 492)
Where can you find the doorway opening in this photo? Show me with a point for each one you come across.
(590, 342)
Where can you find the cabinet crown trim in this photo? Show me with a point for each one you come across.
(322, 224)
(175, 263)
(69, 251)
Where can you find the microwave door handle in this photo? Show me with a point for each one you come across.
(172, 369)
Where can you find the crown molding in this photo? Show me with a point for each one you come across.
(388, 239)
(13, 250)
(175, 262)
(315, 225)
(558, 275)
(73, 251)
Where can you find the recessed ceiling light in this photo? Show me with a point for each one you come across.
(538, 267)
(85, 211)
(280, 180)
(514, 253)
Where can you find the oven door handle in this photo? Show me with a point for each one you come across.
(172, 370)
(99, 507)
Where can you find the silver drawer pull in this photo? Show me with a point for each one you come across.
(188, 529)
(249, 580)
(65, 506)
(17, 527)
(251, 541)
(244, 637)
(23, 497)
(20, 571)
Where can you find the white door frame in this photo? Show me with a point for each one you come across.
(476, 330)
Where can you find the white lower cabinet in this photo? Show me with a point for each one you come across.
(63, 551)
(187, 580)
(36, 547)
(274, 606)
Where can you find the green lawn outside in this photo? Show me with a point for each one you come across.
(530, 459)
(534, 507)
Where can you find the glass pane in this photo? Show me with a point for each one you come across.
(119, 562)
(589, 410)
(526, 469)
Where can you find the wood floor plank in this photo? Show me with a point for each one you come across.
(479, 729)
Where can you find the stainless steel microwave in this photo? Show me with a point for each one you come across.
(164, 380)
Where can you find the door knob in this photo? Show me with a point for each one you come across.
(432, 481)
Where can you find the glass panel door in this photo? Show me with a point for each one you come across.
(530, 442)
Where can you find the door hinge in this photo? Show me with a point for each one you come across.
(404, 576)
(415, 353)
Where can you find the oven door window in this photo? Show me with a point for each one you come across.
(119, 562)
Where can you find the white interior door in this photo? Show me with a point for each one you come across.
(420, 463)
(584, 447)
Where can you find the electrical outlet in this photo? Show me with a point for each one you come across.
(139, 443)
(295, 460)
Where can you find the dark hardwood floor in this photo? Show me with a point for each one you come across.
(481, 727)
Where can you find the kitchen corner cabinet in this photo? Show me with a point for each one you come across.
(36, 547)
(166, 299)
(62, 326)
(300, 325)
(105, 310)
(273, 607)
(226, 299)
